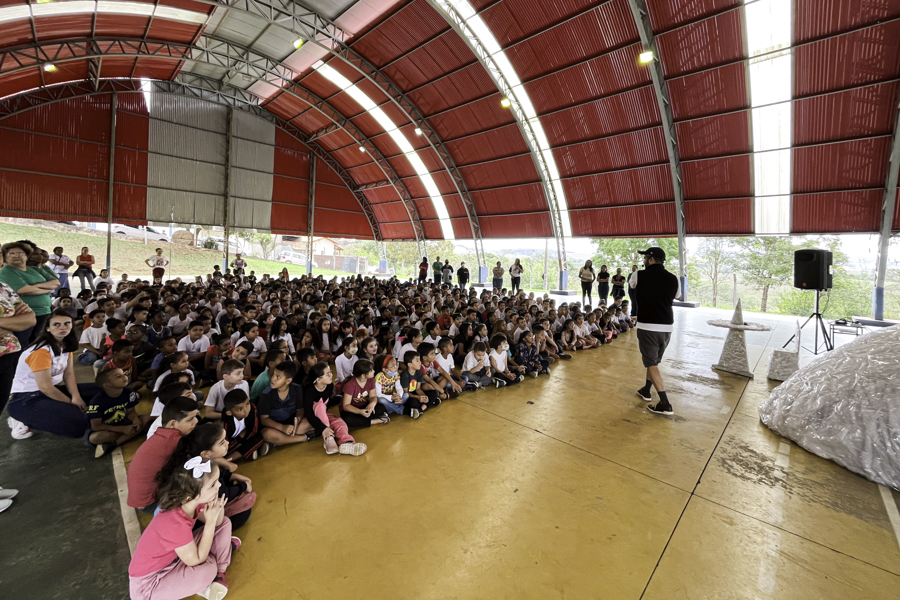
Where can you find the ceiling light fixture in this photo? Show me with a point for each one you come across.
(297, 43)
(646, 57)
(50, 67)
(418, 131)
(505, 103)
(362, 148)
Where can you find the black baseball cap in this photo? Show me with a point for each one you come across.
(655, 252)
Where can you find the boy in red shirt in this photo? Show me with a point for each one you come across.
(179, 418)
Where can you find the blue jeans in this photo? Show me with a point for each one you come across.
(394, 409)
(88, 358)
(43, 413)
(63, 283)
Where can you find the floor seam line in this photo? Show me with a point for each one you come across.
(797, 535)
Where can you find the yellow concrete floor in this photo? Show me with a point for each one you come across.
(565, 487)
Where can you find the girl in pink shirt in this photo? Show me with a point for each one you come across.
(172, 561)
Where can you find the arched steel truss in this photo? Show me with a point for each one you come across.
(215, 52)
(313, 27)
(642, 21)
(458, 23)
(193, 86)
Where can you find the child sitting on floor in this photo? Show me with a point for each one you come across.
(232, 379)
(159, 404)
(387, 384)
(411, 380)
(171, 559)
(179, 418)
(501, 363)
(360, 407)
(317, 396)
(477, 370)
(261, 384)
(208, 441)
(112, 413)
(242, 427)
(281, 409)
(527, 351)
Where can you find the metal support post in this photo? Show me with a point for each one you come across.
(382, 257)
(311, 214)
(642, 20)
(887, 216)
(228, 140)
(113, 109)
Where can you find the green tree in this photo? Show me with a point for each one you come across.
(714, 258)
(623, 252)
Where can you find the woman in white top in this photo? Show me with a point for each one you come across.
(587, 276)
(515, 276)
(44, 394)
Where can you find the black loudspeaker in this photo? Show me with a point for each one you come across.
(812, 269)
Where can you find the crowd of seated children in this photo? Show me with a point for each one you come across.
(286, 362)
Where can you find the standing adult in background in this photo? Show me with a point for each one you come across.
(462, 275)
(587, 276)
(423, 270)
(631, 295)
(447, 272)
(15, 316)
(59, 264)
(436, 268)
(85, 268)
(32, 284)
(498, 277)
(655, 289)
(618, 281)
(103, 278)
(158, 263)
(238, 264)
(602, 285)
(515, 276)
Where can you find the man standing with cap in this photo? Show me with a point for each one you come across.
(462, 275)
(655, 289)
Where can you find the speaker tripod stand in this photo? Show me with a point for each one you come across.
(819, 324)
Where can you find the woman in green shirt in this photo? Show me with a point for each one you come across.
(32, 283)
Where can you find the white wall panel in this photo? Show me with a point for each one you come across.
(251, 184)
(179, 174)
(167, 206)
(251, 214)
(189, 111)
(186, 142)
(250, 127)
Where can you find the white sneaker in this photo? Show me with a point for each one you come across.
(4, 504)
(20, 430)
(216, 591)
(352, 449)
(8, 494)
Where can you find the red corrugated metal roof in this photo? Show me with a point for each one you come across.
(815, 19)
(714, 136)
(840, 212)
(850, 60)
(709, 93)
(442, 55)
(287, 190)
(717, 178)
(628, 111)
(841, 166)
(497, 143)
(591, 34)
(719, 217)
(367, 173)
(510, 200)
(462, 86)
(512, 20)
(635, 149)
(602, 76)
(532, 225)
(382, 195)
(510, 171)
(407, 29)
(668, 14)
(707, 43)
(845, 115)
(650, 219)
(390, 213)
(397, 231)
(471, 118)
(634, 186)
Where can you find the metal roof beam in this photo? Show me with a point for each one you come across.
(216, 52)
(458, 23)
(888, 207)
(642, 21)
(194, 86)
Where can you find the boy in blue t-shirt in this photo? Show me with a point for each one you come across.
(112, 413)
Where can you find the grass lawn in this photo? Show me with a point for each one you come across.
(128, 254)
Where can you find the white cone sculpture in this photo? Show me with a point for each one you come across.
(734, 354)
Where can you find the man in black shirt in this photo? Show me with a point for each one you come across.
(462, 275)
(655, 289)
